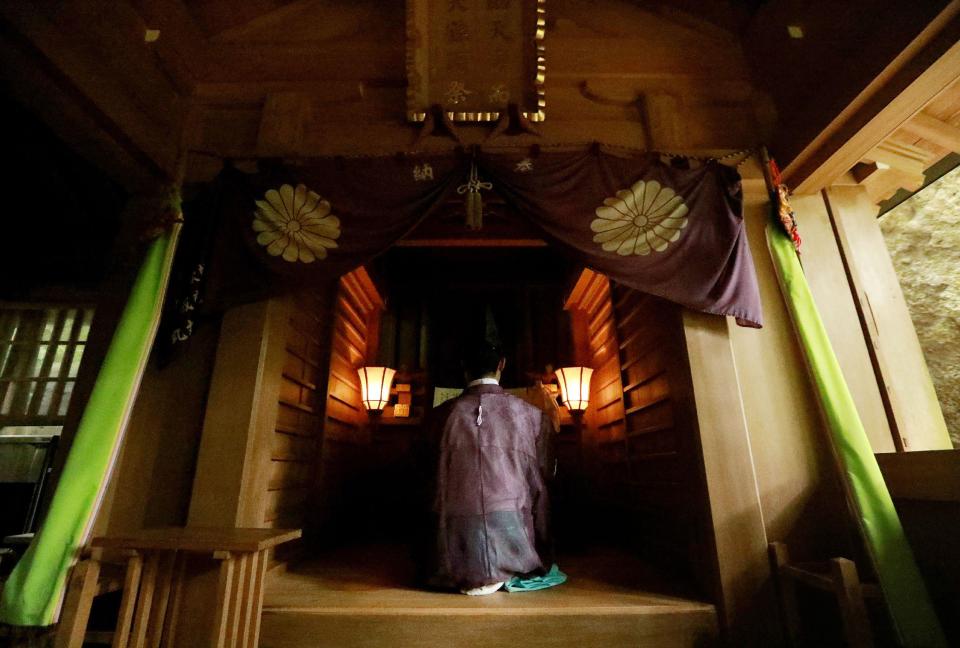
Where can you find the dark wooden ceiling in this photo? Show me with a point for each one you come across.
(217, 17)
(254, 78)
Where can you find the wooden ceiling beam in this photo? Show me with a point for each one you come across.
(343, 60)
(930, 64)
(81, 125)
(118, 86)
(351, 60)
(343, 117)
(216, 16)
(291, 127)
(283, 123)
(299, 132)
(182, 46)
(105, 41)
(588, 56)
(292, 82)
(863, 170)
(937, 131)
(891, 166)
(331, 91)
(909, 159)
(885, 182)
(253, 24)
(620, 87)
(575, 57)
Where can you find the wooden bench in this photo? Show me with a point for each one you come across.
(152, 581)
(837, 576)
(92, 576)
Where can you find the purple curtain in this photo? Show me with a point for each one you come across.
(325, 217)
(673, 231)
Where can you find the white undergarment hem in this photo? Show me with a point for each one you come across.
(483, 590)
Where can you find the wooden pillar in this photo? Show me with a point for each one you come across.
(901, 369)
(799, 493)
(824, 270)
(241, 415)
(739, 534)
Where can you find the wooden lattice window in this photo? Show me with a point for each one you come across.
(41, 348)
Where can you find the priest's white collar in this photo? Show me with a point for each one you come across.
(483, 381)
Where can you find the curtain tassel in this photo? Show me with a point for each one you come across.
(473, 200)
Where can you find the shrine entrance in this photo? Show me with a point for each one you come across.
(629, 503)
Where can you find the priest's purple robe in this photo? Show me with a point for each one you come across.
(491, 500)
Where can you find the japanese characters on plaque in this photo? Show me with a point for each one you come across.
(475, 57)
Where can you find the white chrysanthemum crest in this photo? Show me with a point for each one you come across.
(295, 224)
(645, 218)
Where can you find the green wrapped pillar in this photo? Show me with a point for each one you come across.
(905, 593)
(33, 594)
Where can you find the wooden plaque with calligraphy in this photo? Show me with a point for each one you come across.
(475, 57)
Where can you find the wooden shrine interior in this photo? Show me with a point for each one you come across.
(702, 443)
(630, 511)
(628, 476)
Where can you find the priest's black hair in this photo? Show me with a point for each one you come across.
(480, 358)
(482, 348)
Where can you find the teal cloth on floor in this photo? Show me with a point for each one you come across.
(552, 578)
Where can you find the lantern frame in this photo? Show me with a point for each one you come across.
(575, 387)
(375, 384)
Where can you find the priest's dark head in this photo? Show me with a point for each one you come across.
(482, 359)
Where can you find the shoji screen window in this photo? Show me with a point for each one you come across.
(41, 348)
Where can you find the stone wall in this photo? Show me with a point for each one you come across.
(923, 236)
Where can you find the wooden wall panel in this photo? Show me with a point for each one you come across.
(296, 437)
(648, 480)
(662, 488)
(241, 415)
(322, 355)
(595, 339)
(738, 562)
(917, 417)
(151, 483)
(346, 438)
(778, 483)
(831, 290)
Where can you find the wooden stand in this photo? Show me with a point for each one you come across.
(153, 586)
(838, 576)
(91, 577)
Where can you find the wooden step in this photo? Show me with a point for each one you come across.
(368, 600)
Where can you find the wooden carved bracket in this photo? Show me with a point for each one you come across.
(637, 101)
(438, 123)
(513, 122)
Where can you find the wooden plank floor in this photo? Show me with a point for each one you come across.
(366, 597)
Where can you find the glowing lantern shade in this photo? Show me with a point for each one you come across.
(575, 387)
(375, 385)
